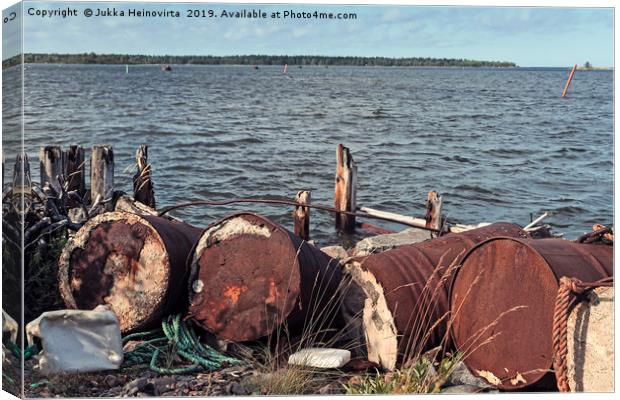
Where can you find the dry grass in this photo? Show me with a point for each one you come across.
(274, 375)
(423, 376)
(41, 276)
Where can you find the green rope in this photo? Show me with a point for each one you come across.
(8, 378)
(28, 351)
(178, 338)
(40, 383)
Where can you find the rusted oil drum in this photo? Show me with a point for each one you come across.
(136, 264)
(503, 298)
(397, 303)
(250, 276)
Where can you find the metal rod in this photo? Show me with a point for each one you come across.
(165, 210)
(537, 220)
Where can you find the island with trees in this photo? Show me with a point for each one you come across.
(93, 58)
(589, 67)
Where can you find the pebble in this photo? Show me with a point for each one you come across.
(166, 380)
(137, 384)
(110, 380)
(462, 389)
(461, 376)
(236, 389)
(331, 388)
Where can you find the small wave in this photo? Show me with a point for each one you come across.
(508, 152)
(569, 210)
(475, 189)
(482, 116)
(459, 159)
(572, 149)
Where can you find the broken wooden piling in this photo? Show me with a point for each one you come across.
(142, 184)
(301, 215)
(75, 169)
(52, 166)
(433, 210)
(101, 173)
(345, 190)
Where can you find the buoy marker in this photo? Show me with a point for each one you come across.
(570, 78)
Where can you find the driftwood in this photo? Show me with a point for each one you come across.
(345, 190)
(301, 215)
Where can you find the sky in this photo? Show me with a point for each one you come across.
(528, 36)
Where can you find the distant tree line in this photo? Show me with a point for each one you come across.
(92, 58)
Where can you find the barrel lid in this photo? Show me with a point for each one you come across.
(502, 301)
(119, 259)
(230, 295)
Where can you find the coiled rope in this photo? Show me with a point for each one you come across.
(178, 338)
(560, 323)
(29, 351)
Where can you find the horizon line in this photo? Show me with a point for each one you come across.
(594, 67)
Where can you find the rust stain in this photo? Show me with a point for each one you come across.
(133, 269)
(273, 293)
(232, 293)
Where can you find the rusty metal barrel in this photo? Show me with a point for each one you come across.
(398, 302)
(136, 264)
(503, 298)
(250, 276)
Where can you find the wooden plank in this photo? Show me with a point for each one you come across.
(101, 173)
(52, 166)
(345, 189)
(75, 169)
(433, 210)
(301, 215)
(142, 184)
(419, 222)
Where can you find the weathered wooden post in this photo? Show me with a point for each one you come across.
(142, 183)
(433, 210)
(570, 79)
(22, 182)
(344, 196)
(21, 185)
(301, 215)
(101, 173)
(75, 169)
(52, 166)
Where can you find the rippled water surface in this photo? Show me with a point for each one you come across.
(498, 144)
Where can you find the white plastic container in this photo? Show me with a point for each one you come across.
(77, 340)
